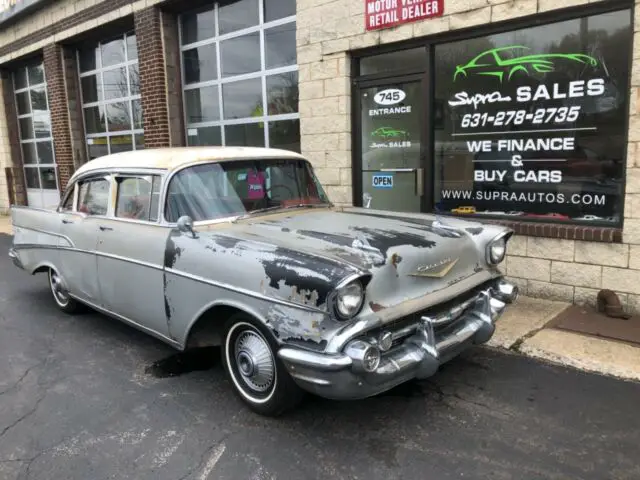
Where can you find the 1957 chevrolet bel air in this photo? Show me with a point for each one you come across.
(240, 247)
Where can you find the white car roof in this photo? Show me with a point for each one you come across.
(172, 158)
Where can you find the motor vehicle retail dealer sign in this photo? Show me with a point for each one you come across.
(381, 14)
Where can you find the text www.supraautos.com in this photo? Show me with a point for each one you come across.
(525, 197)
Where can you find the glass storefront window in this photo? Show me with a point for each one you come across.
(531, 124)
(233, 99)
(111, 101)
(34, 121)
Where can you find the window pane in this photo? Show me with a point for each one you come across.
(90, 89)
(132, 47)
(94, 119)
(137, 114)
(200, 64)
(29, 153)
(237, 15)
(412, 59)
(121, 143)
(275, 9)
(45, 153)
(22, 99)
(139, 138)
(234, 63)
(135, 198)
(97, 147)
(285, 134)
(32, 177)
(202, 104)
(36, 74)
(548, 141)
(48, 178)
(197, 26)
(134, 79)
(118, 116)
(280, 45)
(88, 58)
(26, 128)
(247, 135)
(94, 197)
(204, 136)
(282, 93)
(113, 52)
(115, 83)
(38, 100)
(20, 78)
(42, 125)
(242, 99)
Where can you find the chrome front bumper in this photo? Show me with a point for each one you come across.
(13, 255)
(418, 348)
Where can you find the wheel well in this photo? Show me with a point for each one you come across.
(41, 269)
(207, 330)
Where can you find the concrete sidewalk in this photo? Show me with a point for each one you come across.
(5, 225)
(522, 329)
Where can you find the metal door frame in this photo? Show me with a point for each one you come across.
(424, 178)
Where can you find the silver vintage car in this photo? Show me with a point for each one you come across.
(241, 248)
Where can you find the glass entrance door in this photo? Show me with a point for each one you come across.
(391, 126)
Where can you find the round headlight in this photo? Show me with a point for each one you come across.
(497, 251)
(349, 299)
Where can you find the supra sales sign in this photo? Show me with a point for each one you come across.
(389, 13)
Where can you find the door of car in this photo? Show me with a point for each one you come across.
(80, 215)
(131, 248)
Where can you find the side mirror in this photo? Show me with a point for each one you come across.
(185, 224)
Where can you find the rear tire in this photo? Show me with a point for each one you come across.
(257, 375)
(61, 296)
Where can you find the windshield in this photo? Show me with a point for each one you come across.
(232, 188)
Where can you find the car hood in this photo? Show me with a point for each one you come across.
(407, 255)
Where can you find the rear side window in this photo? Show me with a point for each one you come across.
(138, 197)
(94, 196)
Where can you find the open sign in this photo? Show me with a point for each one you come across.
(382, 181)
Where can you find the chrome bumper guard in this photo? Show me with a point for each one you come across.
(13, 255)
(365, 368)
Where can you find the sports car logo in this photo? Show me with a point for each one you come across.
(502, 61)
(435, 270)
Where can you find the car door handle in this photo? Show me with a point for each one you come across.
(66, 221)
(103, 228)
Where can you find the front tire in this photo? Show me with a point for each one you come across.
(60, 295)
(257, 375)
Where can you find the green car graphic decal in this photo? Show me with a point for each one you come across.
(388, 132)
(492, 63)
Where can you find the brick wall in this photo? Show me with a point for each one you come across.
(171, 44)
(59, 110)
(153, 83)
(570, 268)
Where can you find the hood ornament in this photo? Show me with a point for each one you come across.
(435, 270)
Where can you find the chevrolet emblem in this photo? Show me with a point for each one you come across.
(435, 270)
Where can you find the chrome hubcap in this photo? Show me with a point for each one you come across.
(255, 362)
(57, 288)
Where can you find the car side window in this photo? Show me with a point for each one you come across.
(67, 206)
(93, 198)
(138, 197)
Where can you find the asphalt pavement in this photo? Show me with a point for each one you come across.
(87, 397)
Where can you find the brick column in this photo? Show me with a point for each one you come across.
(62, 90)
(156, 36)
(16, 183)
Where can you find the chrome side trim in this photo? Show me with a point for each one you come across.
(129, 260)
(53, 234)
(244, 291)
(128, 321)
